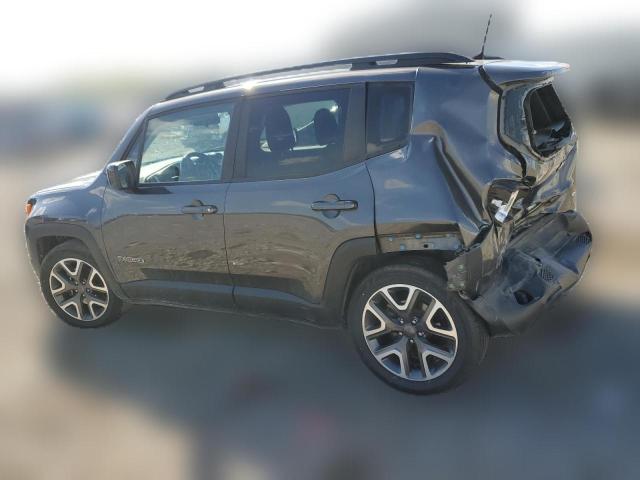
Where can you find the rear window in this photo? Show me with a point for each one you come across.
(547, 120)
(388, 116)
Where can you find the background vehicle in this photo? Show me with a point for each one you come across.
(360, 197)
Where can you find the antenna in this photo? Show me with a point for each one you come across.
(481, 56)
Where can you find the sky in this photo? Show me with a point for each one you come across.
(52, 41)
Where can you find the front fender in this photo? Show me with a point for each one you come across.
(36, 231)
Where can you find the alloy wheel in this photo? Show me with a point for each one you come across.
(79, 289)
(409, 332)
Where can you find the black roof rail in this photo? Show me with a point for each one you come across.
(357, 63)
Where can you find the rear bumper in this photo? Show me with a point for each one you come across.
(538, 266)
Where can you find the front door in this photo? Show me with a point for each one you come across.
(299, 193)
(165, 238)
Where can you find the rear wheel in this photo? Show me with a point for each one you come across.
(75, 289)
(412, 332)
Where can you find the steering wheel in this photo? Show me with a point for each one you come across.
(199, 166)
(194, 157)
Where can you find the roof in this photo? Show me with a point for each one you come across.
(287, 83)
(369, 64)
(402, 66)
(415, 59)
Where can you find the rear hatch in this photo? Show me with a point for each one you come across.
(535, 127)
(541, 244)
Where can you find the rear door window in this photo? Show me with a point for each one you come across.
(388, 116)
(296, 135)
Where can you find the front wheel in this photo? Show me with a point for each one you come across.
(412, 332)
(75, 289)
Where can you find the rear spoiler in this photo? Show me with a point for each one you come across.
(507, 71)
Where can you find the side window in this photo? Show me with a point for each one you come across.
(186, 146)
(296, 135)
(388, 116)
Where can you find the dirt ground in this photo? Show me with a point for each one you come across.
(168, 393)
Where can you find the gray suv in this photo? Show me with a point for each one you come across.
(425, 201)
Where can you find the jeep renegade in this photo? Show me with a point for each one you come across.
(424, 201)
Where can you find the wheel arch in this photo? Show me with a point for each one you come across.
(42, 238)
(355, 259)
(47, 243)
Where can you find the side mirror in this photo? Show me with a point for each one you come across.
(121, 175)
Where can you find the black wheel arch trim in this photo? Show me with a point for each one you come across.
(339, 278)
(357, 258)
(35, 232)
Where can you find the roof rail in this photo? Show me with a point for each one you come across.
(357, 63)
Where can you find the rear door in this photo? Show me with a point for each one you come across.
(165, 238)
(300, 190)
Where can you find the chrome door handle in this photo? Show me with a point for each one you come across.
(199, 209)
(324, 205)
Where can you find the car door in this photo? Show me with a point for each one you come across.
(165, 237)
(300, 190)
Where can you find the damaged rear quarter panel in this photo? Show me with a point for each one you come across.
(430, 195)
(433, 196)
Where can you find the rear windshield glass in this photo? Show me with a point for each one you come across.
(548, 123)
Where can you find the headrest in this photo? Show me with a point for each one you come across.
(326, 127)
(278, 130)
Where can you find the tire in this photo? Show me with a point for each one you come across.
(62, 273)
(443, 339)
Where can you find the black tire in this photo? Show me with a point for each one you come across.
(472, 337)
(74, 249)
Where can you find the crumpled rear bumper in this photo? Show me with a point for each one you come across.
(538, 266)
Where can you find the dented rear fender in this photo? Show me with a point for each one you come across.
(443, 192)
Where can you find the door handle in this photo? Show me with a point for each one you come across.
(199, 209)
(324, 205)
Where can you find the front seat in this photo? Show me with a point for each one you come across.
(326, 127)
(279, 131)
(328, 135)
(280, 139)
